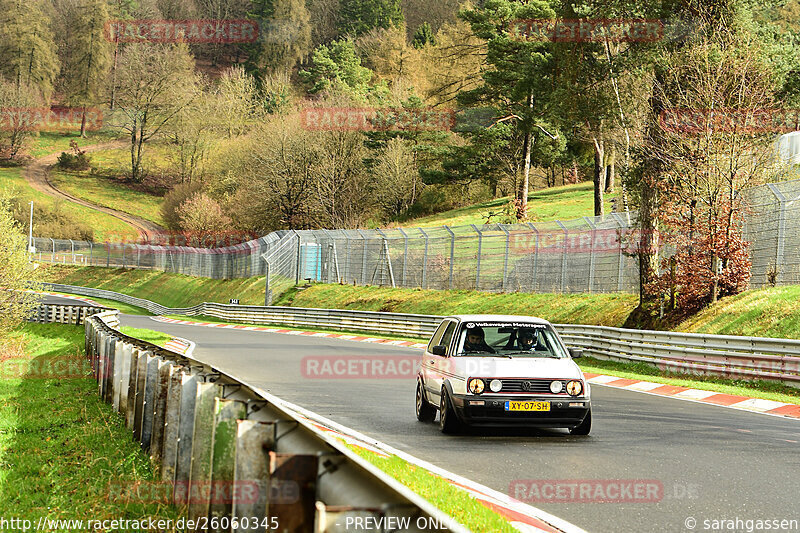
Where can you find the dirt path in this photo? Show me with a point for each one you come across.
(37, 175)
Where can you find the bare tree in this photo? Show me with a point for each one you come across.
(153, 84)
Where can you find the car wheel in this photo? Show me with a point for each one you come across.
(584, 427)
(448, 422)
(425, 411)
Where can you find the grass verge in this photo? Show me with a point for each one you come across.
(61, 447)
(106, 193)
(171, 290)
(12, 181)
(450, 499)
(148, 335)
(765, 390)
(556, 203)
(595, 309)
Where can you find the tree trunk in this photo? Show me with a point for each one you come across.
(526, 172)
(599, 176)
(610, 169)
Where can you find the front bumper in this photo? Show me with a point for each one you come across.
(564, 411)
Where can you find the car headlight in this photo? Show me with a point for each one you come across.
(495, 385)
(556, 387)
(574, 388)
(476, 386)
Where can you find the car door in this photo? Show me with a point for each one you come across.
(436, 366)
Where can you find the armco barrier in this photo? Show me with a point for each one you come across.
(64, 314)
(233, 452)
(719, 355)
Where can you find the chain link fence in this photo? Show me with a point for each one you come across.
(586, 255)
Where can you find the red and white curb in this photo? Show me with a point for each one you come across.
(179, 345)
(358, 338)
(69, 297)
(743, 403)
(521, 516)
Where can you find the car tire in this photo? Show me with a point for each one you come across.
(425, 411)
(584, 427)
(448, 420)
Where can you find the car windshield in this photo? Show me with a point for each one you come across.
(509, 339)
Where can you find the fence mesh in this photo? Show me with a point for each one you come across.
(590, 254)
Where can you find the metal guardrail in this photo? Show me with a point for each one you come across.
(65, 314)
(212, 433)
(726, 356)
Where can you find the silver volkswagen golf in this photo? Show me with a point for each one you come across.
(499, 370)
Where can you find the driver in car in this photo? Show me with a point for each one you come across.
(526, 340)
(476, 341)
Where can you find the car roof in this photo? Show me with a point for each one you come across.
(500, 318)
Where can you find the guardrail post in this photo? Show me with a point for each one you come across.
(183, 459)
(293, 490)
(223, 465)
(116, 377)
(254, 440)
(202, 447)
(130, 400)
(138, 405)
(125, 378)
(172, 417)
(160, 412)
(53, 260)
(150, 383)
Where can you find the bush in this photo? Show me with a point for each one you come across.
(78, 160)
(173, 200)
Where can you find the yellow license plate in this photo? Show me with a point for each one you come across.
(527, 406)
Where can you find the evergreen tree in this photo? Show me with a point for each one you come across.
(27, 49)
(357, 17)
(423, 36)
(86, 54)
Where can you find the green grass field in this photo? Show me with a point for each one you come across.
(50, 142)
(62, 449)
(12, 181)
(116, 162)
(105, 192)
(171, 290)
(557, 203)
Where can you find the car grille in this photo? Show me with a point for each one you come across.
(529, 386)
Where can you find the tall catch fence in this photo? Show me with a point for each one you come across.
(586, 255)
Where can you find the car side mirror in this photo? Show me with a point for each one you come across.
(439, 350)
(576, 352)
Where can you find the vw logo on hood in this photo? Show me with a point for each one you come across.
(527, 385)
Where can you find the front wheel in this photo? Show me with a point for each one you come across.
(425, 411)
(448, 421)
(584, 427)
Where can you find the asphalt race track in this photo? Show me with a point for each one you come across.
(713, 462)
